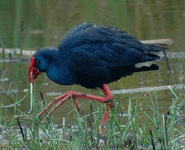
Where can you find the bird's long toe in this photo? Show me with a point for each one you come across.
(77, 104)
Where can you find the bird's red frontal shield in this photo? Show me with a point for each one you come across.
(33, 72)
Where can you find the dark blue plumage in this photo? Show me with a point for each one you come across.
(91, 55)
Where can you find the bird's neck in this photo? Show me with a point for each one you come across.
(58, 70)
(60, 75)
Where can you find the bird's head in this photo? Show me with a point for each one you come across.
(41, 62)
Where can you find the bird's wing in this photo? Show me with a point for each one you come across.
(108, 46)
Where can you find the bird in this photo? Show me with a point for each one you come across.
(93, 56)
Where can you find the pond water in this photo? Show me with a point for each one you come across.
(45, 22)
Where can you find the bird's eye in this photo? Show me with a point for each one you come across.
(37, 63)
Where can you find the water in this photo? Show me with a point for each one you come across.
(46, 22)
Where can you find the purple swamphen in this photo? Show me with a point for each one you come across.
(93, 56)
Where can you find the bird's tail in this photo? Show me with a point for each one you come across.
(157, 49)
(146, 68)
(158, 46)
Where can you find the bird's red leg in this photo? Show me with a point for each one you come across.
(108, 94)
(61, 97)
(107, 99)
(62, 101)
(50, 104)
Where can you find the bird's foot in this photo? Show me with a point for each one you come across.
(108, 99)
(62, 98)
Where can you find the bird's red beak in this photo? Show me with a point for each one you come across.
(33, 72)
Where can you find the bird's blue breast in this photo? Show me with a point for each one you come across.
(60, 75)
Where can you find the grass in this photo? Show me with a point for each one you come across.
(165, 131)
